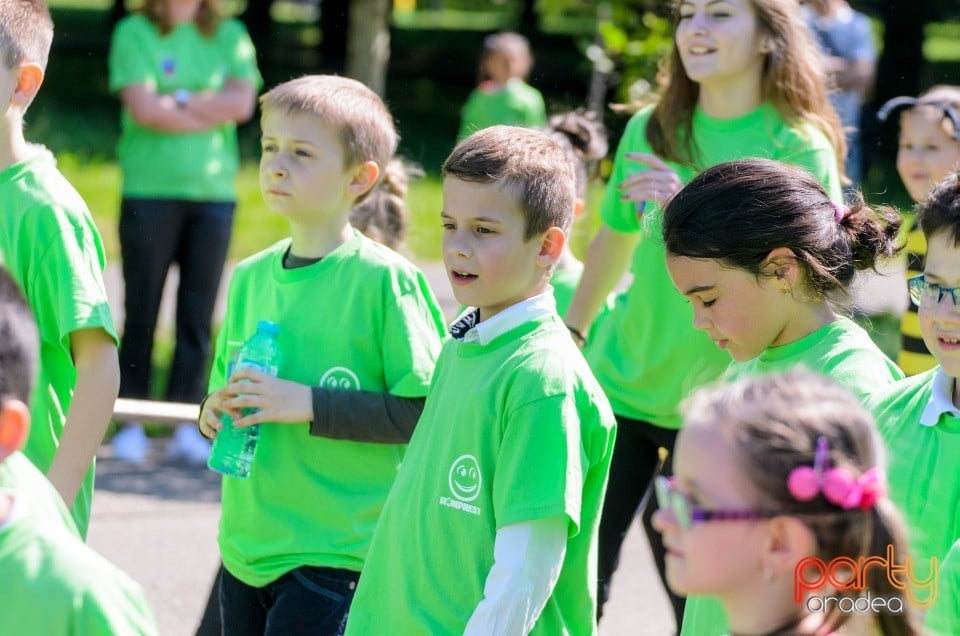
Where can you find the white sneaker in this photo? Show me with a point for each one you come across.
(130, 444)
(188, 445)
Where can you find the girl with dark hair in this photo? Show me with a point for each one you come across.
(743, 79)
(763, 255)
(775, 478)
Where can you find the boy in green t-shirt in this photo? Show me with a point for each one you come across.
(360, 332)
(491, 526)
(919, 417)
(52, 248)
(52, 582)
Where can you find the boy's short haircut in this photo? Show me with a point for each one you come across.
(527, 163)
(26, 32)
(939, 212)
(19, 341)
(362, 119)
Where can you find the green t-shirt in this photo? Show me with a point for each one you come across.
(51, 247)
(54, 584)
(517, 430)
(922, 464)
(842, 351)
(515, 103)
(564, 282)
(944, 617)
(365, 318)
(18, 473)
(647, 354)
(198, 166)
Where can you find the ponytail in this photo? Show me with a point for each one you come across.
(739, 211)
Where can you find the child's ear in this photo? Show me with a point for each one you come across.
(364, 177)
(782, 265)
(551, 246)
(788, 540)
(28, 83)
(14, 427)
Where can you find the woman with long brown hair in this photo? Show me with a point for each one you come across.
(743, 79)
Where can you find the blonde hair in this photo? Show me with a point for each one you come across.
(26, 32)
(207, 19)
(793, 81)
(364, 124)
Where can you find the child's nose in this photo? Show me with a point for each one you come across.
(664, 521)
(700, 320)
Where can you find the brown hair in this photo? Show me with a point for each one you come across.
(527, 163)
(19, 342)
(939, 212)
(365, 125)
(793, 81)
(383, 213)
(773, 424)
(584, 139)
(513, 46)
(737, 212)
(26, 32)
(207, 19)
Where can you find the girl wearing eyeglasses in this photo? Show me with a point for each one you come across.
(775, 477)
(763, 256)
(928, 150)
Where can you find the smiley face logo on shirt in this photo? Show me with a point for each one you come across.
(340, 378)
(465, 478)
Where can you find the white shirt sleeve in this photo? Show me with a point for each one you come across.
(527, 558)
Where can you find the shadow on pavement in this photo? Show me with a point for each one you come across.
(158, 478)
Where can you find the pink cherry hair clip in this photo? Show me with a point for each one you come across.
(838, 485)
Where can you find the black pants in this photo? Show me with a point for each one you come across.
(308, 601)
(154, 233)
(636, 461)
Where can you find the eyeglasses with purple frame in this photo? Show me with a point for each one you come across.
(687, 513)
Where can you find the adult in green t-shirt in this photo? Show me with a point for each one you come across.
(185, 77)
(743, 81)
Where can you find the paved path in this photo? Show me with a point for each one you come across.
(158, 522)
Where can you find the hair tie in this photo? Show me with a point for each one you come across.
(838, 485)
(840, 212)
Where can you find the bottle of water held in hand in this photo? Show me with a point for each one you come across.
(234, 448)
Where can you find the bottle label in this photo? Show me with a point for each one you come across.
(256, 366)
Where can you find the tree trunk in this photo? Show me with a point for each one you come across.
(256, 17)
(368, 43)
(333, 27)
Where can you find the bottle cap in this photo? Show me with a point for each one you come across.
(267, 327)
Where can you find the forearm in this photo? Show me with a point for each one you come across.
(364, 416)
(528, 558)
(235, 103)
(160, 112)
(607, 260)
(98, 382)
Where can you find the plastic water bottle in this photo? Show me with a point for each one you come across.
(234, 448)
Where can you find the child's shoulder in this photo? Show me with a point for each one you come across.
(42, 191)
(903, 401)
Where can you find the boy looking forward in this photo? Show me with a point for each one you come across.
(360, 332)
(52, 582)
(491, 526)
(52, 248)
(919, 417)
